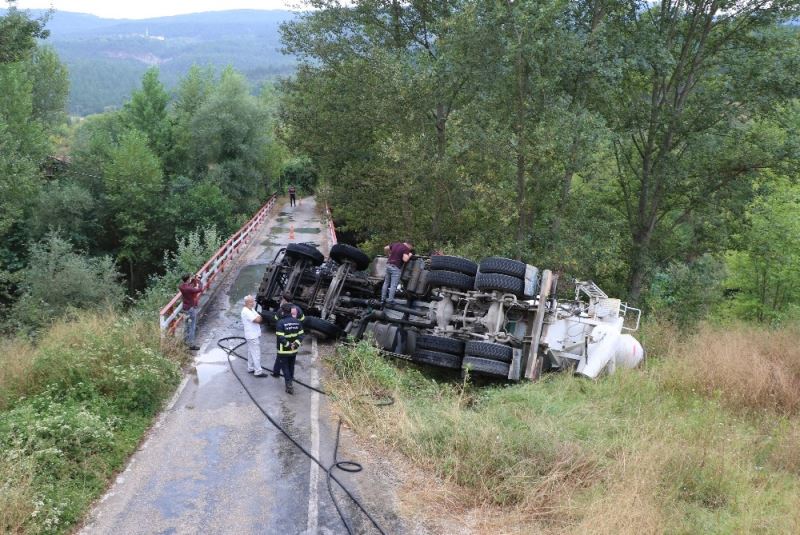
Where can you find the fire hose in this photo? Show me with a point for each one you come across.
(345, 466)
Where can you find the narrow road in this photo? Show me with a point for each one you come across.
(212, 463)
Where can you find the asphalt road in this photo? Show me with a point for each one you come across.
(213, 463)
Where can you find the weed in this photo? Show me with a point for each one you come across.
(651, 451)
(73, 413)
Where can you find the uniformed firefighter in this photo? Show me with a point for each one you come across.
(289, 335)
(286, 297)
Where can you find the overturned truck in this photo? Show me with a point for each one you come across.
(498, 317)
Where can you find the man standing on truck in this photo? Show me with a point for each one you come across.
(399, 253)
(190, 289)
(292, 193)
(251, 320)
(289, 335)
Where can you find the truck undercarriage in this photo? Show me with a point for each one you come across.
(498, 317)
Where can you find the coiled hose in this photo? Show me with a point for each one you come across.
(345, 466)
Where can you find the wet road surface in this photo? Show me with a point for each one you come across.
(212, 462)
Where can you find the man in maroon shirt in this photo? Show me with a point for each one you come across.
(399, 253)
(190, 291)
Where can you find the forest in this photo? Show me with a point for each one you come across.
(651, 147)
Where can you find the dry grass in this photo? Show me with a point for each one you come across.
(654, 451)
(17, 495)
(16, 356)
(747, 367)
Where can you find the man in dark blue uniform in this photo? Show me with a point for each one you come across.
(286, 297)
(289, 335)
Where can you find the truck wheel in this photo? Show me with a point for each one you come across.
(342, 252)
(505, 266)
(436, 358)
(321, 327)
(450, 279)
(440, 343)
(305, 251)
(454, 263)
(497, 281)
(486, 366)
(489, 350)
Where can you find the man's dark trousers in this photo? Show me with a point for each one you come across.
(286, 363)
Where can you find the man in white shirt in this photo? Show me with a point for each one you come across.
(252, 333)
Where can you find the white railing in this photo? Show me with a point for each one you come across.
(170, 316)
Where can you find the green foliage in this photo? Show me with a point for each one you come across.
(18, 35)
(50, 86)
(684, 293)
(300, 172)
(68, 208)
(228, 140)
(134, 185)
(601, 139)
(58, 280)
(74, 417)
(146, 112)
(193, 250)
(765, 271)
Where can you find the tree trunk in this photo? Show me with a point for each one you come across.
(519, 131)
(438, 186)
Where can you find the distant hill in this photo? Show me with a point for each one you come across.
(107, 57)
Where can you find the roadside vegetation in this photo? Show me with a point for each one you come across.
(73, 407)
(704, 439)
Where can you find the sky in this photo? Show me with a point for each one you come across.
(143, 9)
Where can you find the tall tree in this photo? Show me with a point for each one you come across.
(134, 187)
(146, 111)
(697, 72)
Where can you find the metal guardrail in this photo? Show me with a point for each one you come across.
(170, 316)
(331, 226)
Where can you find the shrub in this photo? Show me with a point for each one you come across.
(59, 280)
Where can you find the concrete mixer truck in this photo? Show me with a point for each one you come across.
(498, 317)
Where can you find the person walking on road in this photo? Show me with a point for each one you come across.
(252, 333)
(292, 193)
(190, 289)
(289, 334)
(399, 253)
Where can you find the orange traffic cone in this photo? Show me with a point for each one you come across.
(291, 232)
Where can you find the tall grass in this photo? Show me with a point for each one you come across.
(748, 367)
(73, 406)
(660, 450)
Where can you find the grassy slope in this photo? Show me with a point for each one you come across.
(73, 407)
(680, 447)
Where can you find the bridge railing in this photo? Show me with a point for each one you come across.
(331, 226)
(210, 274)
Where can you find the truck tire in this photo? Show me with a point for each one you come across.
(450, 279)
(490, 351)
(441, 344)
(342, 252)
(436, 358)
(454, 263)
(305, 251)
(321, 327)
(500, 282)
(486, 366)
(505, 266)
